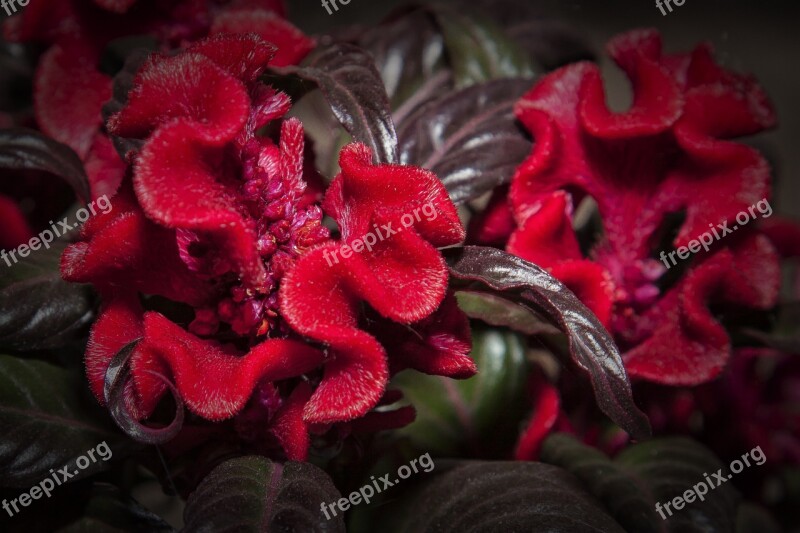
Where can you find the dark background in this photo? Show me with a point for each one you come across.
(761, 37)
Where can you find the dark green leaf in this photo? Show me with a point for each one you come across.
(477, 417)
(24, 149)
(254, 494)
(591, 347)
(631, 506)
(498, 311)
(549, 42)
(39, 310)
(785, 335)
(476, 497)
(110, 511)
(468, 138)
(478, 50)
(652, 472)
(347, 76)
(47, 422)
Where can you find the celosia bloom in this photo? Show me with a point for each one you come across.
(217, 217)
(668, 153)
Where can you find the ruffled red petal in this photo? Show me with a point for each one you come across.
(16, 229)
(493, 225)
(546, 410)
(123, 249)
(183, 179)
(663, 155)
(291, 44)
(546, 238)
(214, 381)
(669, 153)
(104, 167)
(289, 427)
(69, 95)
(686, 345)
(402, 276)
(438, 345)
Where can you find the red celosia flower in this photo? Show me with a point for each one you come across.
(669, 153)
(403, 277)
(217, 217)
(753, 403)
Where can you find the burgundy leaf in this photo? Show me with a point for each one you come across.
(478, 496)
(30, 150)
(118, 377)
(254, 494)
(409, 52)
(347, 77)
(591, 346)
(39, 310)
(469, 138)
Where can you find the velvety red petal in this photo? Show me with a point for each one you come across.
(438, 345)
(591, 283)
(365, 194)
(290, 43)
(243, 56)
(104, 167)
(493, 225)
(546, 408)
(181, 183)
(289, 427)
(688, 346)
(119, 323)
(123, 249)
(317, 302)
(69, 94)
(213, 380)
(657, 101)
(784, 234)
(321, 296)
(546, 238)
(189, 86)
(16, 229)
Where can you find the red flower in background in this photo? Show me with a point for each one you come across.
(669, 153)
(218, 217)
(78, 33)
